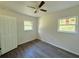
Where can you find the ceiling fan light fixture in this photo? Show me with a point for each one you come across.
(38, 8)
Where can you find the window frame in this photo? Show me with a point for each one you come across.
(28, 25)
(76, 25)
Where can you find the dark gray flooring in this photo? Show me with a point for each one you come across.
(38, 49)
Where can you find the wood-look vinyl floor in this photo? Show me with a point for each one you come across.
(38, 49)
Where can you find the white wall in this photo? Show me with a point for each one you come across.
(25, 36)
(22, 36)
(48, 30)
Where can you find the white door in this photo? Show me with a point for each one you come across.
(8, 33)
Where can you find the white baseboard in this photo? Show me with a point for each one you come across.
(62, 48)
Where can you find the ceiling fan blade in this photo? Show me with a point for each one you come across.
(41, 4)
(31, 7)
(35, 11)
(43, 10)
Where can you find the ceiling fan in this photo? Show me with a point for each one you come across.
(39, 7)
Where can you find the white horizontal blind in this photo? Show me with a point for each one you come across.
(28, 25)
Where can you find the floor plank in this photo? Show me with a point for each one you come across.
(38, 49)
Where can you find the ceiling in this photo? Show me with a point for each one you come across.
(51, 6)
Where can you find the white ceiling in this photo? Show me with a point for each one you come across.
(51, 6)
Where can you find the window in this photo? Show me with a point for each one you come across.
(28, 25)
(67, 24)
